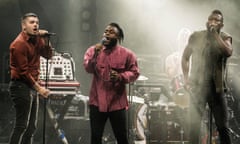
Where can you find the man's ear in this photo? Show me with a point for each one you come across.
(23, 26)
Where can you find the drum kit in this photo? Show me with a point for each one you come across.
(160, 115)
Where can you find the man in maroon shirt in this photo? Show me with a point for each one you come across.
(112, 66)
(25, 52)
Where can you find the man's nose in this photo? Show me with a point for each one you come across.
(213, 21)
(107, 33)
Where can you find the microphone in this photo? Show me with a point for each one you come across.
(99, 46)
(49, 34)
(212, 29)
(104, 39)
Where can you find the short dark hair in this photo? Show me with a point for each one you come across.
(120, 31)
(216, 11)
(26, 15)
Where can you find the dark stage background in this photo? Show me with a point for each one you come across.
(151, 28)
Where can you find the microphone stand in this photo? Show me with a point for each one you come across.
(210, 125)
(45, 99)
(59, 132)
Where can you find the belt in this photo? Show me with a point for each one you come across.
(16, 79)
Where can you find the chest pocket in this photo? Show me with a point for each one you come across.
(117, 66)
(115, 61)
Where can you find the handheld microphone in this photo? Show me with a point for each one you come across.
(211, 29)
(99, 46)
(104, 39)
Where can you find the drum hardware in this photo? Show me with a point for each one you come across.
(182, 135)
(233, 108)
(212, 132)
(155, 120)
(142, 78)
(56, 125)
(181, 97)
(152, 93)
(159, 124)
(234, 134)
(78, 108)
(177, 82)
(147, 131)
(178, 93)
(108, 139)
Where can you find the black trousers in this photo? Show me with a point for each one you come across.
(200, 96)
(118, 122)
(26, 104)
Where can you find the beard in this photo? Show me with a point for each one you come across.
(112, 43)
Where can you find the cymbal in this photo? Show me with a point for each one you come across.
(137, 99)
(142, 78)
(232, 64)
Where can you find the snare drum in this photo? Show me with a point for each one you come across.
(181, 98)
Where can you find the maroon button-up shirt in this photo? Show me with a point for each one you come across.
(25, 57)
(104, 93)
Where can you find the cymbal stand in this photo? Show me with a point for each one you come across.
(210, 121)
(182, 135)
(147, 131)
(131, 132)
(182, 128)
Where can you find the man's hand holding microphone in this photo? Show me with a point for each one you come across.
(99, 46)
(114, 76)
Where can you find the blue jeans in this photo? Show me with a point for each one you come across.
(26, 105)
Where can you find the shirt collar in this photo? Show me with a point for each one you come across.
(109, 49)
(29, 38)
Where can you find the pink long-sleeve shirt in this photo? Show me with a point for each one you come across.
(105, 94)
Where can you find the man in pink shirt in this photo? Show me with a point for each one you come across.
(113, 66)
